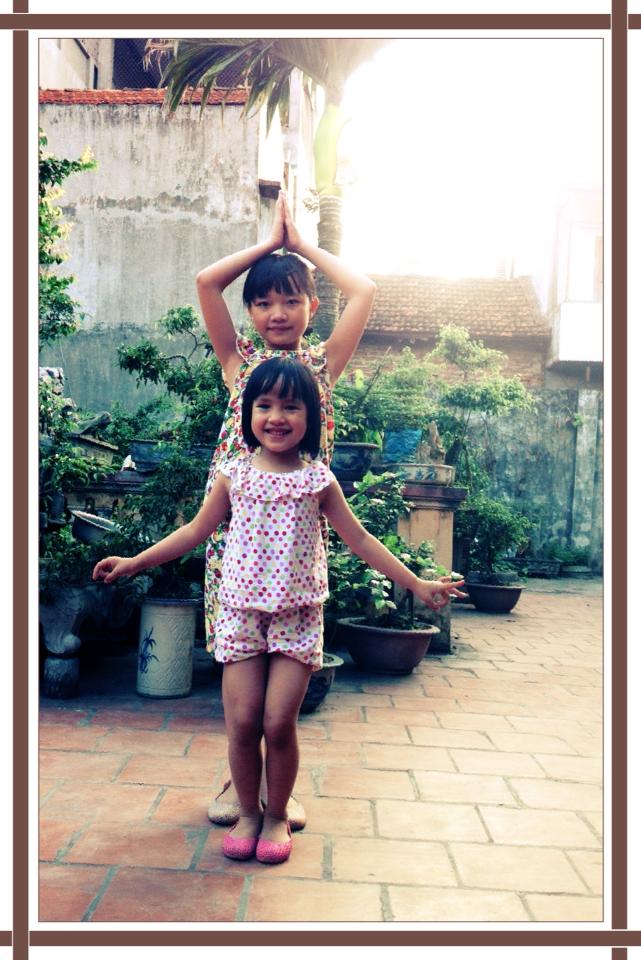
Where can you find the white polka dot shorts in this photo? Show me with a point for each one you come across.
(296, 632)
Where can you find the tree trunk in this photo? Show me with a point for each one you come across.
(329, 238)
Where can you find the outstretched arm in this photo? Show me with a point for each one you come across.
(213, 280)
(181, 541)
(435, 593)
(357, 289)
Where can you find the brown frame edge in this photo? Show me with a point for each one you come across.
(20, 498)
(619, 457)
(266, 938)
(22, 20)
(427, 21)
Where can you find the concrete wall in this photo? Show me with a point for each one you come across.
(167, 198)
(550, 465)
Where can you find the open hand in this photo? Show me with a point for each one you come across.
(111, 568)
(437, 593)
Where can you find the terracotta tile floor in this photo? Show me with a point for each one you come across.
(467, 791)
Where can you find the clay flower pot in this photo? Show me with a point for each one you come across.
(384, 649)
(320, 682)
(494, 598)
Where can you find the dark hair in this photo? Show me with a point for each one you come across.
(292, 379)
(282, 272)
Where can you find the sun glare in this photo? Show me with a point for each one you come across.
(457, 151)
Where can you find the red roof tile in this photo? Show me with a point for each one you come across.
(492, 307)
(150, 95)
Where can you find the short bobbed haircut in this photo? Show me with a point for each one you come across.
(282, 272)
(290, 378)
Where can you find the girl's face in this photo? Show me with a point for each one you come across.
(281, 319)
(278, 423)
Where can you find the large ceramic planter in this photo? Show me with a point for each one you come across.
(438, 473)
(384, 650)
(492, 598)
(90, 528)
(148, 454)
(320, 682)
(579, 570)
(165, 647)
(351, 461)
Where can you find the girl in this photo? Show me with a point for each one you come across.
(268, 631)
(280, 297)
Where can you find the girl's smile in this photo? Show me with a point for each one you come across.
(281, 319)
(279, 423)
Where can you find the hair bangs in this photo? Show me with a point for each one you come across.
(287, 378)
(282, 272)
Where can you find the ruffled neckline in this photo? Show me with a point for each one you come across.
(266, 485)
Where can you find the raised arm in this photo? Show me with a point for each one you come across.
(358, 290)
(214, 279)
(177, 544)
(435, 593)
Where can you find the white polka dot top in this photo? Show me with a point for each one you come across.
(274, 557)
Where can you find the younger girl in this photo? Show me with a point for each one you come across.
(280, 297)
(274, 581)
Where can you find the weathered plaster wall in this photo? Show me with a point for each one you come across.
(550, 465)
(167, 198)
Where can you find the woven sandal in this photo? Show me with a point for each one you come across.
(224, 812)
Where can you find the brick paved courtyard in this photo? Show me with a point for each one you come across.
(467, 791)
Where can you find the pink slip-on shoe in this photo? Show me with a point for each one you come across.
(268, 851)
(239, 848)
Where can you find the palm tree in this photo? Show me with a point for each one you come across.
(266, 67)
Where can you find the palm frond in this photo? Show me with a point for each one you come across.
(265, 65)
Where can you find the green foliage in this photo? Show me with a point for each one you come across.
(193, 380)
(359, 413)
(395, 397)
(456, 347)
(65, 561)
(62, 468)
(404, 393)
(173, 493)
(355, 589)
(471, 385)
(55, 414)
(148, 421)
(65, 469)
(494, 529)
(58, 313)
(568, 555)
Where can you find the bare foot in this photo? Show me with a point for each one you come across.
(274, 829)
(248, 826)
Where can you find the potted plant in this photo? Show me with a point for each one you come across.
(411, 440)
(320, 682)
(381, 632)
(468, 390)
(69, 599)
(573, 561)
(192, 381)
(494, 530)
(360, 419)
(167, 633)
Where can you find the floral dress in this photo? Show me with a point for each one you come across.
(231, 445)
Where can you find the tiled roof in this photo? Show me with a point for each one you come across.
(487, 307)
(150, 95)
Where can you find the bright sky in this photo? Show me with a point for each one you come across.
(460, 148)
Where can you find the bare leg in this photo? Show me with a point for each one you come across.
(243, 701)
(286, 685)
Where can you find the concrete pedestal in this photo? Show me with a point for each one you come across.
(432, 518)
